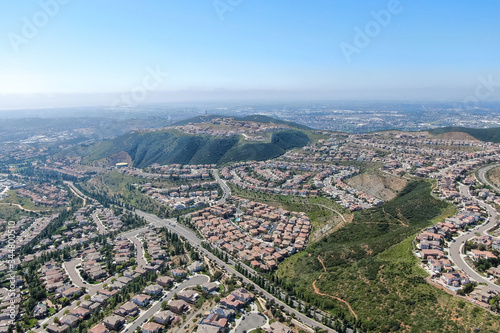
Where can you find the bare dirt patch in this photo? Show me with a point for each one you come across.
(384, 187)
(121, 157)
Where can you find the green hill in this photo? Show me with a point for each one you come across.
(483, 134)
(369, 265)
(170, 146)
(257, 118)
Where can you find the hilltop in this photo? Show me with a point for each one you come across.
(208, 142)
(254, 118)
(482, 134)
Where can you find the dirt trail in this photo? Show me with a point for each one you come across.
(21, 207)
(379, 223)
(399, 220)
(333, 210)
(316, 290)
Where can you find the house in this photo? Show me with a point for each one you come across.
(95, 306)
(477, 255)
(178, 306)
(97, 274)
(69, 320)
(223, 312)
(438, 265)
(165, 281)
(114, 322)
(243, 295)
(71, 292)
(99, 298)
(195, 267)
(141, 300)
(81, 312)
(52, 328)
(455, 279)
(210, 287)
(178, 272)
(231, 302)
(153, 290)
(430, 244)
(40, 311)
(483, 293)
(434, 253)
(151, 328)
(99, 328)
(164, 317)
(108, 292)
(189, 296)
(128, 309)
(278, 327)
(213, 319)
(495, 271)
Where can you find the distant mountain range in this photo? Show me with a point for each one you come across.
(172, 146)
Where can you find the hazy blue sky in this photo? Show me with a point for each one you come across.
(429, 49)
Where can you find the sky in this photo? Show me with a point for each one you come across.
(93, 52)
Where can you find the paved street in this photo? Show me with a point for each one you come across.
(145, 316)
(227, 191)
(100, 226)
(75, 277)
(140, 259)
(482, 176)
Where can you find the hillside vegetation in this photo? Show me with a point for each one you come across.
(370, 267)
(483, 134)
(494, 176)
(169, 146)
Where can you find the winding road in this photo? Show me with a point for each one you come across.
(482, 175)
(455, 251)
(225, 188)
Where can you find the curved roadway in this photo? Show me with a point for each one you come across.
(456, 246)
(225, 188)
(482, 174)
